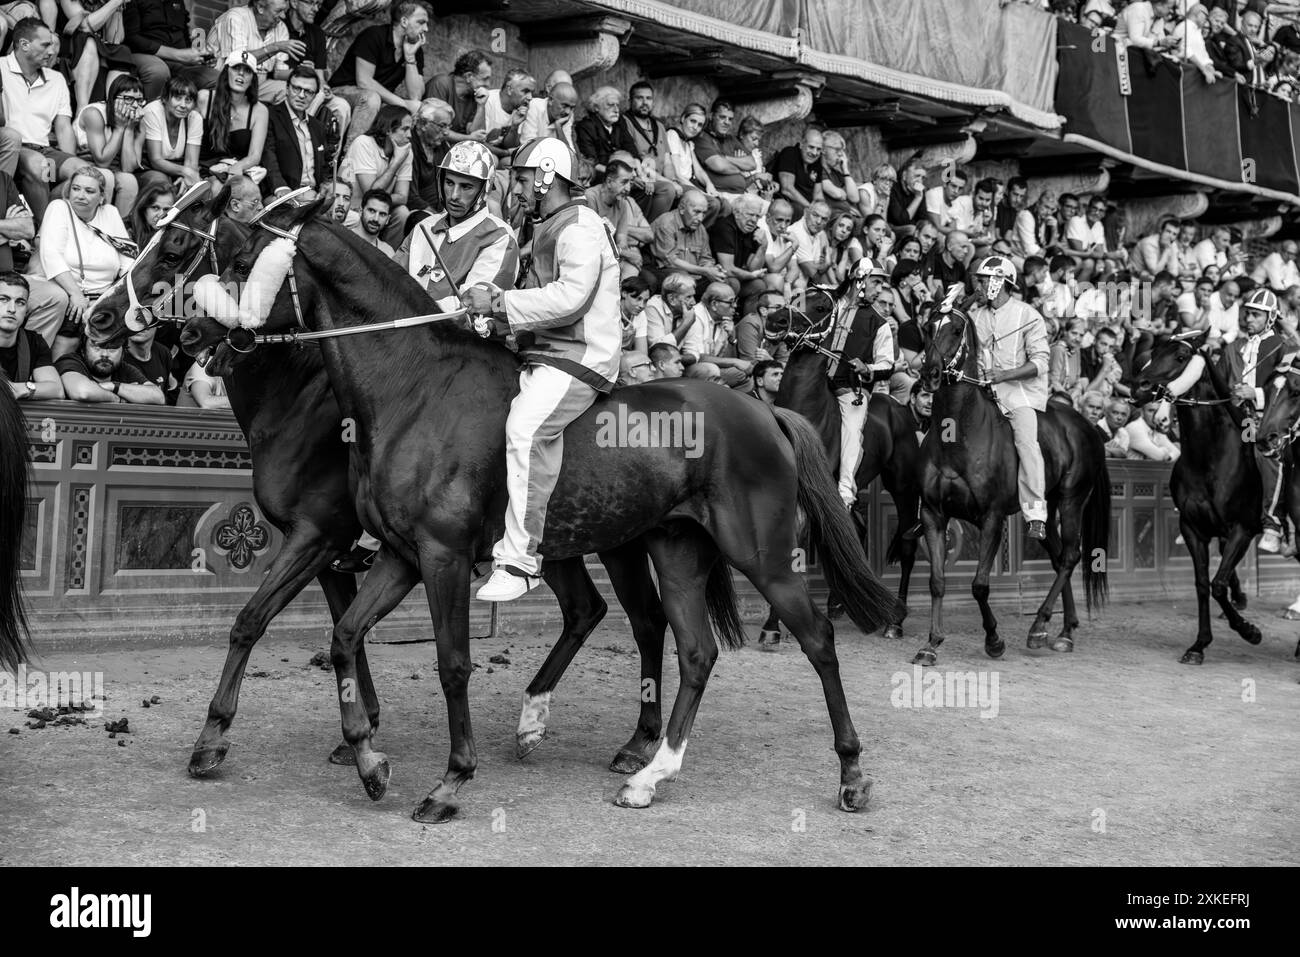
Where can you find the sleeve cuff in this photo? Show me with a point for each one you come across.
(1259, 399)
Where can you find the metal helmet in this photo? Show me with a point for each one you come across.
(998, 270)
(1262, 300)
(472, 159)
(552, 158)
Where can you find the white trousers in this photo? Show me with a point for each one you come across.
(853, 418)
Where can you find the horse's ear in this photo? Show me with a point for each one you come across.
(217, 205)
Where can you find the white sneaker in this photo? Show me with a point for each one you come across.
(503, 586)
(1270, 541)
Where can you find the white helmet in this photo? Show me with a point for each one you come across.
(998, 270)
(1263, 300)
(472, 159)
(551, 157)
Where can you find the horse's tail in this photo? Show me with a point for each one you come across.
(720, 599)
(1096, 535)
(14, 456)
(866, 599)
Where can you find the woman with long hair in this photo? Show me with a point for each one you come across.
(234, 129)
(878, 240)
(173, 133)
(380, 158)
(845, 248)
(108, 135)
(150, 206)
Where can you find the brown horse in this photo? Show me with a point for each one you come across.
(431, 477)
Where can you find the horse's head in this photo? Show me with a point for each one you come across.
(807, 320)
(178, 252)
(948, 342)
(1170, 360)
(1281, 422)
(251, 296)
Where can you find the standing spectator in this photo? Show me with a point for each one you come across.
(552, 115)
(799, 171)
(380, 60)
(108, 136)
(428, 147)
(946, 202)
(666, 360)
(730, 165)
(907, 198)
(1148, 441)
(667, 313)
(683, 166)
(234, 129)
(36, 104)
(26, 366)
(96, 373)
(634, 293)
(163, 45)
(503, 111)
(774, 233)
(1036, 229)
(464, 89)
(1278, 269)
(1142, 24)
(151, 205)
(381, 159)
(173, 133)
(681, 243)
(295, 153)
(1189, 41)
(766, 377)
(376, 208)
(151, 359)
(92, 44)
(1157, 252)
(1228, 52)
(740, 251)
(812, 250)
(610, 199)
(710, 337)
(839, 188)
(257, 28)
(83, 245)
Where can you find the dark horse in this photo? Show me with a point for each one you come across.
(969, 461)
(1277, 433)
(890, 449)
(431, 477)
(282, 399)
(14, 456)
(1215, 483)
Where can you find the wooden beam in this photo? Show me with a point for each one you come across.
(707, 63)
(575, 28)
(782, 83)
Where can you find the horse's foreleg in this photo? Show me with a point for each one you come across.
(936, 527)
(300, 559)
(769, 636)
(1063, 549)
(1199, 548)
(340, 588)
(907, 506)
(990, 545)
(1238, 541)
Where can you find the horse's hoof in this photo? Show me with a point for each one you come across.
(1251, 633)
(769, 640)
(927, 657)
(627, 762)
(374, 771)
(893, 632)
(629, 796)
(1037, 639)
(994, 648)
(435, 810)
(1063, 644)
(854, 797)
(344, 756)
(1192, 658)
(205, 760)
(527, 742)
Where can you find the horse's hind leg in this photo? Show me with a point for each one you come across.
(1237, 593)
(582, 609)
(990, 545)
(936, 540)
(1199, 548)
(1063, 549)
(683, 556)
(1238, 541)
(340, 589)
(769, 636)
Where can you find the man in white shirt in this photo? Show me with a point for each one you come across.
(812, 251)
(35, 102)
(551, 115)
(258, 28)
(1142, 25)
(1213, 251)
(1113, 424)
(502, 113)
(1086, 237)
(711, 338)
(1190, 41)
(1146, 441)
(1278, 269)
(941, 201)
(1223, 312)
(1194, 306)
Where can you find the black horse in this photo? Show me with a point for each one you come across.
(282, 399)
(431, 478)
(1215, 483)
(1276, 437)
(14, 456)
(969, 472)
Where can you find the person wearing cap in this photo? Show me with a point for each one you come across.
(258, 28)
(569, 306)
(234, 126)
(1014, 359)
(863, 343)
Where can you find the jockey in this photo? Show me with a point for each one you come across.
(570, 305)
(445, 253)
(1013, 359)
(863, 342)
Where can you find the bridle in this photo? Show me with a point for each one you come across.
(207, 245)
(814, 332)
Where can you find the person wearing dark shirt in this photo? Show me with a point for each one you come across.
(428, 147)
(380, 60)
(730, 167)
(299, 23)
(162, 40)
(464, 88)
(46, 301)
(799, 171)
(946, 264)
(98, 374)
(152, 360)
(26, 366)
(738, 250)
(907, 198)
(296, 152)
(601, 133)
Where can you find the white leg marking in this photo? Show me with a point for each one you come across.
(532, 722)
(639, 790)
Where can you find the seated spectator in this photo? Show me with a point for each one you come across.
(173, 135)
(1213, 251)
(314, 56)
(1009, 207)
(295, 153)
(666, 361)
(464, 89)
(36, 103)
(552, 115)
(907, 198)
(927, 234)
(502, 113)
(648, 138)
(234, 129)
(1036, 228)
(429, 146)
(86, 50)
(946, 202)
(774, 233)
(839, 188)
(845, 248)
(164, 45)
(373, 70)
(83, 245)
(634, 293)
(634, 368)
(975, 215)
(1092, 406)
(610, 198)
(752, 341)
(381, 159)
(1278, 269)
(245, 202)
(739, 250)
(96, 373)
(150, 206)
(731, 167)
(1055, 293)
(601, 133)
(203, 391)
(338, 205)
(812, 248)
(750, 135)
(1157, 252)
(1142, 24)
(668, 312)
(1189, 41)
(1118, 412)
(878, 240)
(257, 28)
(26, 366)
(1148, 441)
(947, 264)
(45, 303)
(1065, 384)
(766, 380)
(1086, 238)
(710, 339)
(681, 243)
(1194, 306)
(798, 171)
(874, 196)
(109, 137)
(376, 208)
(683, 166)
(1187, 271)
(1224, 311)
(152, 359)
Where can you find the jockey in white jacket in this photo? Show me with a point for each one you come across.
(570, 303)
